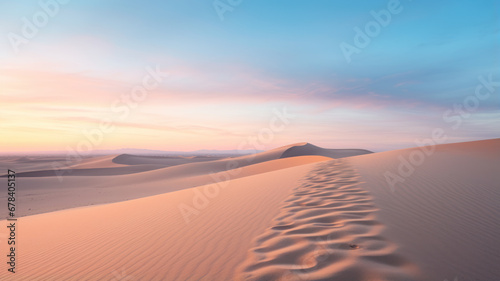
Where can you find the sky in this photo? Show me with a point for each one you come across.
(239, 74)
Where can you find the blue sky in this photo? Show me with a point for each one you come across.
(227, 75)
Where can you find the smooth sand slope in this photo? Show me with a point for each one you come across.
(128, 159)
(47, 194)
(25, 164)
(445, 216)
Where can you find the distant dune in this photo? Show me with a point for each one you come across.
(120, 164)
(310, 149)
(114, 178)
(297, 212)
(127, 159)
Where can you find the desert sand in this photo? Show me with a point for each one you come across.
(298, 212)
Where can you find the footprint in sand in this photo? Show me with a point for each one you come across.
(321, 233)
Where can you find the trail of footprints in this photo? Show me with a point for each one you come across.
(326, 230)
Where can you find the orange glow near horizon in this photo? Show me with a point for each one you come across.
(60, 111)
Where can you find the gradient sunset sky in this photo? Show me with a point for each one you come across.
(227, 76)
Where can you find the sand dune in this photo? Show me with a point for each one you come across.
(25, 164)
(104, 179)
(97, 162)
(445, 215)
(310, 149)
(47, 194)
(186, 166)
(127, 159)
(92, 172)
(148, 238)
(269, 216)
(122, 164)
